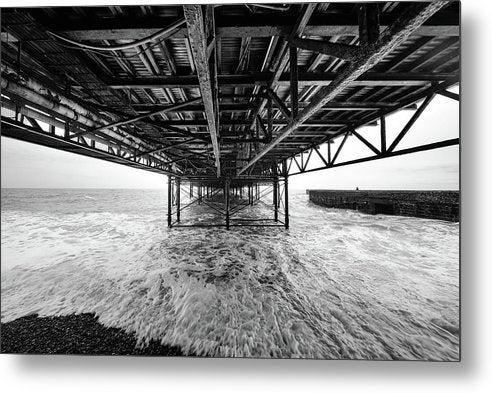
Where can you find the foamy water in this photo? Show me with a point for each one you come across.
(338, 284)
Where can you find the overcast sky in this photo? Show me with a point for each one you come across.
(27, 165)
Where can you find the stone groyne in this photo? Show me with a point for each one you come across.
(440, 205)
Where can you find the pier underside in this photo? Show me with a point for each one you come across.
(228, 100)
(227, 200)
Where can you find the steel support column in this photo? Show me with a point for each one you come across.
(275, 200)
(383, 134)
(169, 201)
(178, 200)
(286, 195)
(226, 196)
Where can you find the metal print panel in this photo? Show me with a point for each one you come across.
(272, 180)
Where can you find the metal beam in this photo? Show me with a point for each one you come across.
(30, 134)
(449, 94)
(294, 82)
(131, 31)
(262, 79)
(233, 107)
(137, 118)
(413, 17)
(163, 148)
(411, 150)
(169, 202)
(411, 122)
(369, 29)
(196, 31)
(227, 202)
(285, 111)
(244, 122)
(365, 141)
(341, 51)
(297, 30)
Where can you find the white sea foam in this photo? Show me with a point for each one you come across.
(338, 284)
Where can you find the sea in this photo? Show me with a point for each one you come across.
(338, 284)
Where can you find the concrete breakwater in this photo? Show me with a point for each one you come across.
(440, 205)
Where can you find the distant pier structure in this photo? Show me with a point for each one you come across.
(227, 100)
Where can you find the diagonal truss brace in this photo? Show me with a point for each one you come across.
(137, 118)
(381, 153)
(408, 22)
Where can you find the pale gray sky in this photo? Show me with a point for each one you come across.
(27, 165)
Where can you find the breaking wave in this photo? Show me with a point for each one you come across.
(337, 285)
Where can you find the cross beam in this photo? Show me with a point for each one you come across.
(342, 51)
(408, 22)
(198, 38)
(263, 79)
(297, 30)
(131, 30)
(138, 118)
(245, 122)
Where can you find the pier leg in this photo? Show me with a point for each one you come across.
(275, 196)
(169, 201)
(200, 194)
(178, 199)
(286, 195)
(226, 195)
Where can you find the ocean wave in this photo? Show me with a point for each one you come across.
(338, 284)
